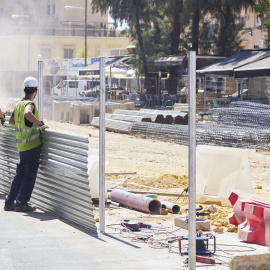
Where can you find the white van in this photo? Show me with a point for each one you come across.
(71, 88)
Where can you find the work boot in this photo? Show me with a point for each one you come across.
(10, 207)
(25, 208)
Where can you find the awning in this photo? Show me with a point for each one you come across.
(256, 69)
(113, 72)
(227, 66)
(94, 68)
(169, 60)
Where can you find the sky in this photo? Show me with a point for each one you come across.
(120, 27)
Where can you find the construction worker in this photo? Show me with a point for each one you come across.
(27, 127)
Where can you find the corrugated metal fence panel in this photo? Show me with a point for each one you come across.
(62, 186)
(8, 156)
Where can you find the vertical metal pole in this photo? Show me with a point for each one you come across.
(85, 34)
(102, 146)
(204, 95)
(40, 90)
(192, 160)
(28, 44)
(241, 89)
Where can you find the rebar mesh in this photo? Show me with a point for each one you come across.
(245, 114)
(206, 134)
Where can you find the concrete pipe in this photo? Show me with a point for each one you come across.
(135, 201)
(173, 208)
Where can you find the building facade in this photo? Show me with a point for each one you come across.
(51, 30)
(249, 34)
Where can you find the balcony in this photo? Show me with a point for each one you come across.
(91, 32)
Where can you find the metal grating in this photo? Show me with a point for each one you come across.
(206, 134)
(62, 186)
(241, 113)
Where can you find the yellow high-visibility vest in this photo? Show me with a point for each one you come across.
(27, 138)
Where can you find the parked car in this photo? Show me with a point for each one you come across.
(70, 88)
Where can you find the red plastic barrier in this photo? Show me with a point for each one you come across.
(252, 215)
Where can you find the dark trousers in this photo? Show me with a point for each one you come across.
(22, 184)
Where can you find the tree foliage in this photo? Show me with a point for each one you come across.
(263, 11)
(134, 12)
(159, 27)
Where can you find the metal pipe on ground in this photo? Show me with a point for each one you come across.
(139, 202)
(155, 192)
(146, 119)
(168, 119)
(180, 120)
(172, 208)
(160, 119)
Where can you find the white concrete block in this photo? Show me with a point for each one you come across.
(246, 261)
(201, 223)
(219, 171)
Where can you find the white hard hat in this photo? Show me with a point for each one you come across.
(30, 82)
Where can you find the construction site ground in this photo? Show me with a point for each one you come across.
(158, 166)
(45, 242)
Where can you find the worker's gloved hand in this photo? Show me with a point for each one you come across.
(43, 127)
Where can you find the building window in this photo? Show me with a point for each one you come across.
(242, 22)
(53, 9)
(258, 21)
(73, 84)
(48, 10)
(211, 31)
(45, 53)
(68, 53)
(211, 25)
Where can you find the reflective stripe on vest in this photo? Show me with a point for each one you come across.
(28, 130)
(29, 139)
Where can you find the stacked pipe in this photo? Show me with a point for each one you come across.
(168, 120)
(113, 125)
(245, 114)
(210, 134)
(179, 120)
(159, 119)
(157, 116)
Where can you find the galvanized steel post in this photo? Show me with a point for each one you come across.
(40, 90)
(192, 159)
(102, 146)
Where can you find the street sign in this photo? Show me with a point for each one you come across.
(54, 70)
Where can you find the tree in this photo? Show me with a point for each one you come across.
(81, 53)
(134, 12)
(227, 13)
(175, 8)
(156, 40)
(263, 11)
